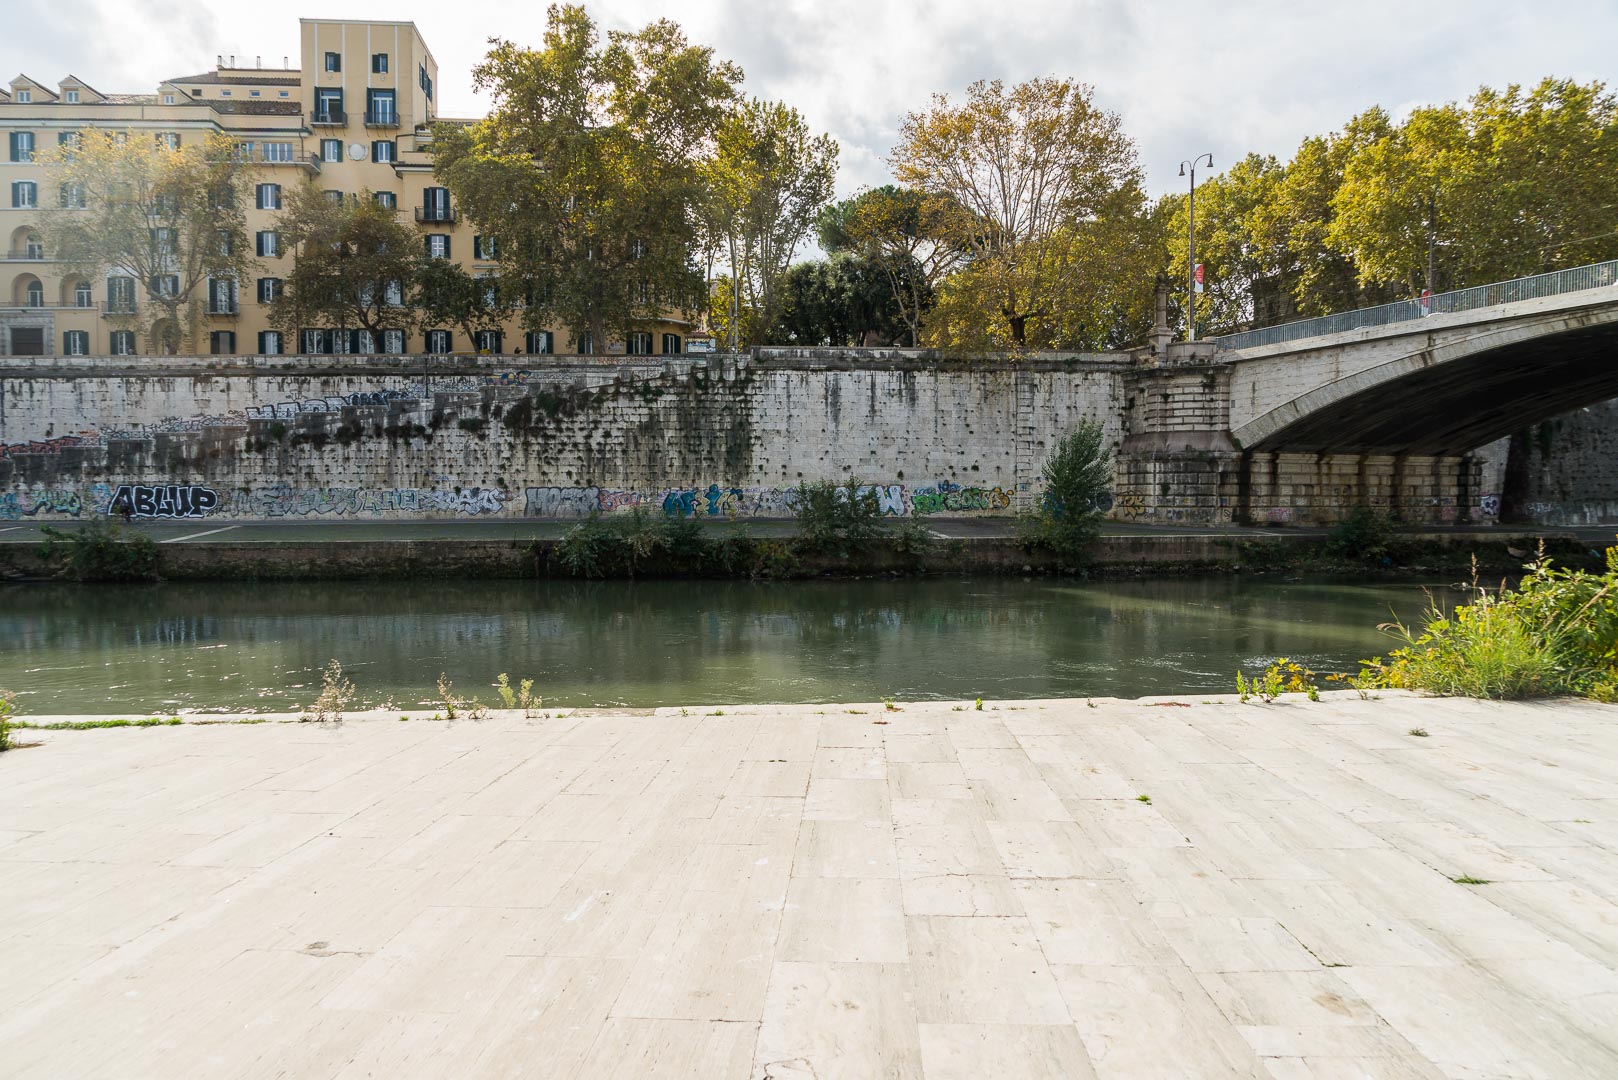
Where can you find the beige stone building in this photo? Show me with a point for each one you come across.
(353, 116)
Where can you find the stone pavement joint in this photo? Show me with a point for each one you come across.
(799, 892)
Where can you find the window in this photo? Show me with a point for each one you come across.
(71, 97)
(165, 240)
(33, 247)
(121, 343)
(166, 285)
(483, 247)
(339, 342)
(316, 342)
(439, 341)
(426, 81)
(387, 200)
(393, 294)
(277, 151)
(72, 196)
(379, 108)
(285, 93)
(333, 196)
(361, 343)
(224, 93)
(643, 292)
(269, 342)
(253, 93)
(120, 294)
(22, 145)
(24, 194)
(382, 151)
(488, 341)
(329, 105)
(538, 343)
(222, 342)
(82, 296)
(24, 97)
(671, 344)
(379, 63)
(435, 205)
(168, 140)
(437, 246)
(221, 296)
(227, 243)
(75, 343)
(36, 294)
(331, 149)
(67, 138)
(269, 197)
(334, 61)
(393, 342)
(168, 99)
(269, 244)
(638, 343)
(269, 290)
(586, 346)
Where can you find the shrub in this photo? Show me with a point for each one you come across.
(1077, 476)
(627, 543)
(1284, 676)
(1365, 535)
(101, 550)
(1555, 633)
(7, 705)
(838, 519)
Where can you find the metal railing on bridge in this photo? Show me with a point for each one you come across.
(1576, 279)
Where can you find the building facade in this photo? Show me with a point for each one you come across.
(354, 116)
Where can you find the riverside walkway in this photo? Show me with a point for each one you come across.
(1119, 889)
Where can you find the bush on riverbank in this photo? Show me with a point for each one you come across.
(1077, 476)
(100, 550)
(1555, 633)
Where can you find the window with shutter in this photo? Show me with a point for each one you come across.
(269, 342)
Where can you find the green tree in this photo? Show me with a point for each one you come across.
(449, 296)
(172, 219)
(840, 300)
(913, 236)
(766, 182)
(588, 169)
(356, 265)
(1030, 165)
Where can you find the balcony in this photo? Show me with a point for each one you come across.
(328, 118)
(31, 253)
(117, 309)
(227, 309)
(435, 215)
(382, 118)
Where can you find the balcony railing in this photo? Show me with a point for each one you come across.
(117, 308)
(328, 118)
(382, 118)
(227, 308)
(435, 215)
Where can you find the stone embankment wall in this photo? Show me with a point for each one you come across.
(378, 437)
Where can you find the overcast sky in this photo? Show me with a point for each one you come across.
(1187, 78)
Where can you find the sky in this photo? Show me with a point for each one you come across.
(1225, 78)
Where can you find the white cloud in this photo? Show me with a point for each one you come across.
(1186, 77)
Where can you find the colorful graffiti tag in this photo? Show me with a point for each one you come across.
(945, 496)
(280, 500)
(164, 500)
(15, 505)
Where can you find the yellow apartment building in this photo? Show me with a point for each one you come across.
(353, 116)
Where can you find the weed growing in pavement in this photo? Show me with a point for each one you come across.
(1420, 733)
(335, 694)
(446, 696)
(1147, 799)
(523, 697)
(1467, 879)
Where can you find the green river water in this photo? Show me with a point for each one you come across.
(216, 648)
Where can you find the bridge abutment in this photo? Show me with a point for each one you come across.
(1322, 489)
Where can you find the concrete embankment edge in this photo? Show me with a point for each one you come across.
(328, 560)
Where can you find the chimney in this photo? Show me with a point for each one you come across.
(232, 59)
(221, 58)
(258, 61)
(285, 65)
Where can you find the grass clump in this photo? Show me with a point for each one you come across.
(1468, 879)
(96, 725)
(1077, 476)
(100, 550)
(335, 694)
(1555, 633)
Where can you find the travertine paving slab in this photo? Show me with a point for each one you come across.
(921, 892)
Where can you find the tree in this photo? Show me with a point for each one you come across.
(1029, 165)
(841, 300)
(171, 219)
(914, 237)
(587, 169)
(356, 265)
(766, 182)
(1243, 252)
(448, 295)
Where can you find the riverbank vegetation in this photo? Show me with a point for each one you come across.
(1078, 477)
(99, 550)
(1555, 632)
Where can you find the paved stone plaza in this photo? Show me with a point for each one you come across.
(820, 892)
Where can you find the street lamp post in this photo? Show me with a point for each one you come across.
(1191, 265)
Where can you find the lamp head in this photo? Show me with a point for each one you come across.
(1182, 168)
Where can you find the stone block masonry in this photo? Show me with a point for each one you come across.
(379, 437)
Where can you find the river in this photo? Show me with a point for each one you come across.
(259, 646)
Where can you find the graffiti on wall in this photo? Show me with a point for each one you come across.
(717, 500)
(52, 446)
(287, 410)
(944, 497)
(61, 502)
(281, 500)
(163, 500)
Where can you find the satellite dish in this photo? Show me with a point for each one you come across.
(356, 151)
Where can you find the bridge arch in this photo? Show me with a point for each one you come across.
(1452, 398)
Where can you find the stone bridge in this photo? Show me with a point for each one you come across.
(1298, 424)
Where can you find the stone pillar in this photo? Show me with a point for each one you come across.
(1177, 464)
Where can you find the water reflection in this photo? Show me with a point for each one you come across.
(259, 646)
